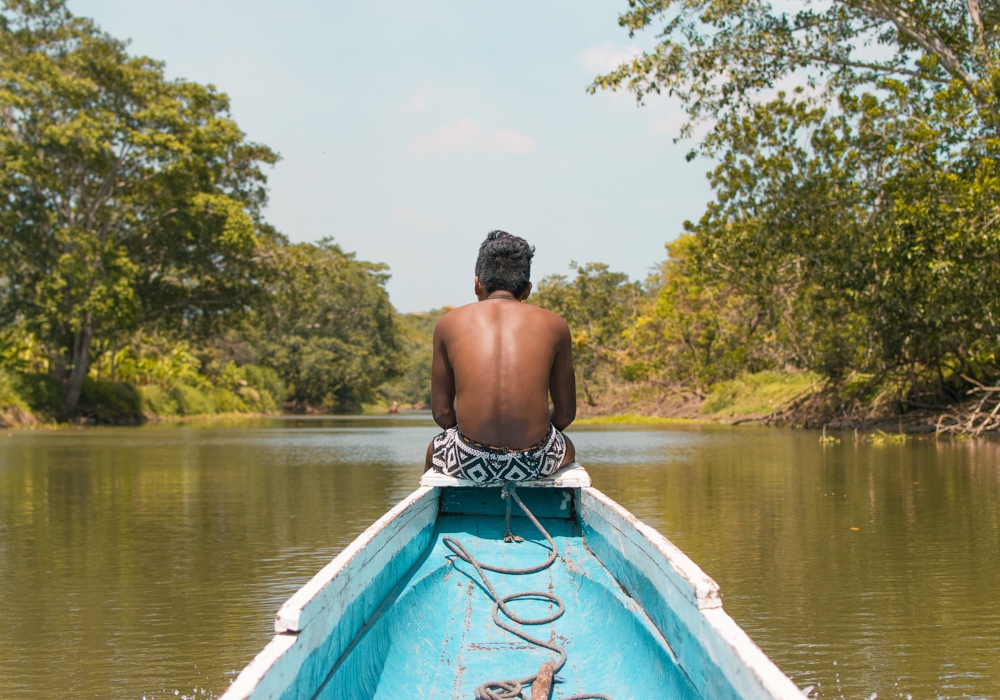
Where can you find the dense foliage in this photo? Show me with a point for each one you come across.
(855, 230)
(132, 241)
(599, 306)
(328, 327)
(413, 387)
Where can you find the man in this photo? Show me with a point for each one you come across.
(496, 363)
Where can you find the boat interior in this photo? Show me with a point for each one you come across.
(434, 636)
(406, 610)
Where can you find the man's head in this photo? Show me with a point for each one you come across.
(504, 264)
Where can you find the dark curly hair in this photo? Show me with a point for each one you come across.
(504, 263)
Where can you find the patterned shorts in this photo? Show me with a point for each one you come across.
(456, 455)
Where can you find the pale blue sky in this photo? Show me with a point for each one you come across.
(410, 129)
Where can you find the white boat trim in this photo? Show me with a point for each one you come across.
(572, 476)
(684, 603)
(417, 509)
(691, 596)
(306, 620)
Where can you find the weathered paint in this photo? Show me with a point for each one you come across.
(685, 604)
(395, 615)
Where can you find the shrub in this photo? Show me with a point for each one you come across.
(13, 409)
(191, 401)
(43, 394)
(156, 401)
(267, 383)
(227, 402)
(111, 402)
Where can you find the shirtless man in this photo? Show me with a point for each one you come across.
(496, 363)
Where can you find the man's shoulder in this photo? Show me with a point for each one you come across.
(545, 316)
(466, 313)
(451, 316)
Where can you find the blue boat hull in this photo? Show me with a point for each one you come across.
(401, 616)
(435, 637)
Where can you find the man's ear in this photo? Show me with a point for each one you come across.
(480, 292)
(525, 294)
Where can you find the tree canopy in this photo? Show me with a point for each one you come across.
(855, 148)
(128, 197)
(132, 241)
(328, 327)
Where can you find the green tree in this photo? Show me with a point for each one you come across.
(414, 385)
(694, 330)
(128, 198)
(599, 306)
(858, 209)
(329, 328)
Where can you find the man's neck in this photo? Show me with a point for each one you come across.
(502, 294)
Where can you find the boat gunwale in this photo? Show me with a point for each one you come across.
(290, 624)
(696, 602)
(290, 616)
(726, 643)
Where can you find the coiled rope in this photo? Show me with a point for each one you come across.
(508, 689)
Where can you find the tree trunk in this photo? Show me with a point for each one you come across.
(81, 360)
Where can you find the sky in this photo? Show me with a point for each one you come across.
(408, 130)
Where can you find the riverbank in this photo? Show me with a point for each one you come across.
(38, 400)
(787, 399)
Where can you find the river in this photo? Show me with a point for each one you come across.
(149, 562)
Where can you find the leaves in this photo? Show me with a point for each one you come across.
(328, 328)
(855, 226)
(128, 199)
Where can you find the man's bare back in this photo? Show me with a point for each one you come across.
(496, 364)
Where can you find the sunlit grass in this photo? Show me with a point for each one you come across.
(757, 394)
(633, 419)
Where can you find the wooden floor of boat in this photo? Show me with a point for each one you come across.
(435, 638)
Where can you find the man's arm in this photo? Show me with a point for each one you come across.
(442, 383)
(562, 381)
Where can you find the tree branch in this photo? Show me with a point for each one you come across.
(857, 64)
(977, 21)
(930, 42)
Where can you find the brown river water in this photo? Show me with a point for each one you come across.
(149, 562)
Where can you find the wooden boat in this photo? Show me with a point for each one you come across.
(403, 613)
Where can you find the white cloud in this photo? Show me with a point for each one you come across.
(411, 218)
(417, 104)
(607, 56)
(465, 135)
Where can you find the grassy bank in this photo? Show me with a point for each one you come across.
(638, 419)
(757, 395)
(28, 400)
(795, 399)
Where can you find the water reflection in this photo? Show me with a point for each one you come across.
(905, 604)
(136, 562)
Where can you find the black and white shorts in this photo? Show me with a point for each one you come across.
(456, 455)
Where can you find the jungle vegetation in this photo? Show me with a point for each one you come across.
(136, 272)
(849, 263)
(855, 231)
